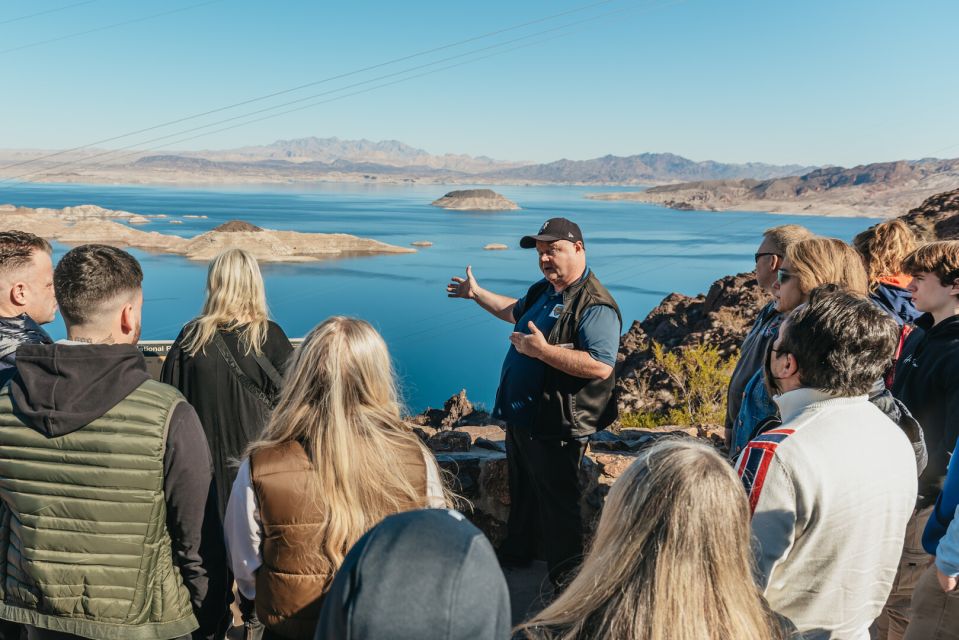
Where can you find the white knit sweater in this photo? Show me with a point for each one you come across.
(831, 491)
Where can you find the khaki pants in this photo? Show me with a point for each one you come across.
(935, 613)
(895, 615)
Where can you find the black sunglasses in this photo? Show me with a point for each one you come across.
(757, 256)
(783, 276)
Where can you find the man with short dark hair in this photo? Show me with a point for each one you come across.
(769, 258)
(832, 488)
(556, 389)
(26, 295)
(109, 524)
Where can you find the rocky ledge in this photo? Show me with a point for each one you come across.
(475, 200)
(470, 448)
(90, 223)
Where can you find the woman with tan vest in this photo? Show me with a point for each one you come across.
(334, 459)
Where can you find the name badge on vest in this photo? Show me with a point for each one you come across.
(558, 309)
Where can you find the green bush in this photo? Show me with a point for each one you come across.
(700, 377)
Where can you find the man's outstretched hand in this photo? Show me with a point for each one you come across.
(463, 287)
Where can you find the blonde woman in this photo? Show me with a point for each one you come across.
(229, 362)
(883, 248)
(670, 561)
(334, 459)
(806, 265)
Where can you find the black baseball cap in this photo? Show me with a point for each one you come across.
(552, 230)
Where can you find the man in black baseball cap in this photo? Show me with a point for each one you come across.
(552, 230)
(556, 389)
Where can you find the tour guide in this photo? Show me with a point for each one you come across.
(556, 389)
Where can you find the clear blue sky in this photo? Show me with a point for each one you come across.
(812, 82)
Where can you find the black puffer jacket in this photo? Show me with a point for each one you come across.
(13, 333)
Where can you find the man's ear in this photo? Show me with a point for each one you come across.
(790, 365)
(128, 320)
(18, 294)
(777, 262)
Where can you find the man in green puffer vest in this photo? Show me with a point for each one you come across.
(109, 526)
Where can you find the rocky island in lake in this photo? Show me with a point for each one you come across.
(475, 200)
(92, 224)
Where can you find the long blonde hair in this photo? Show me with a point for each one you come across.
(235, 299)
(670, 561)
(340, 402)
(817, 261)
(883, 247)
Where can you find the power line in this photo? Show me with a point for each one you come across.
(310, 84)
(321, 102)
(43, 13)
(106, 27)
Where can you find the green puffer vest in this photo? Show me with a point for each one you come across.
(84, 547)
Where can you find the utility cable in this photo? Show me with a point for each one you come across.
(43, 13)
(308, 84)
(106, 27)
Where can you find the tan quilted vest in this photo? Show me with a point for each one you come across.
(289, 584)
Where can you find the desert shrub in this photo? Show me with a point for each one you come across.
(700, 377)
(642, 420)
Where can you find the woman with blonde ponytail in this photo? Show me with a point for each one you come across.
(229, 361)
(670, 561)
(334, 460)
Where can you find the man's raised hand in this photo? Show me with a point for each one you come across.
(463, 287)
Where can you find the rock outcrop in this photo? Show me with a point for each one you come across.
(720, 318)
(90, 223)
(234, 226)
(472, 452)
(937, 218)
(475, 200)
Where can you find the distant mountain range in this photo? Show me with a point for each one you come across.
(876, 189)
(392, 153)
(304, 156)
(879, 189)
(644, 169)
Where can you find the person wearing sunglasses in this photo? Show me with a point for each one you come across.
(806, 264)
(768, 257)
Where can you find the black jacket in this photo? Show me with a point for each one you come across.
(927, 382)
(13, 333)
(572, 407)
(419, 574)
(231, 415)
(57, 396)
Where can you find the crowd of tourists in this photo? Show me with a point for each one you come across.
(280, 489)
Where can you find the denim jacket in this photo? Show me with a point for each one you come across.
(756, 407)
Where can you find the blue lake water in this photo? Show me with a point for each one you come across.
(440, 345)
